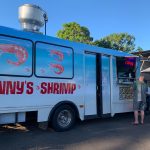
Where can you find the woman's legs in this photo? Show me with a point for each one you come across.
(142, 116)
(136, 117)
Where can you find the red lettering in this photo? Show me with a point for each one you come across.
(73, 88)
(8, 85)
(17, 87)
(43, 88)
(29, 88)
(2, 87)
(56, 88)
(61, 88)
(65, 88)
(129, 63)
(11, 87)
(50, 87)
(69, 88)
(20, 87)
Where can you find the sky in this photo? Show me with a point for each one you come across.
(101, 17)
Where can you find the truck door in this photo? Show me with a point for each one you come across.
(97, 84)
(105, 75)
(90, 85)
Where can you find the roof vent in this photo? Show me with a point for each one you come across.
(32, 17)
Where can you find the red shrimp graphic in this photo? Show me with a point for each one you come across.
(17, 50)
(60, 55)
(59, 68)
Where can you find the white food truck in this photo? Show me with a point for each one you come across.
(58, 81)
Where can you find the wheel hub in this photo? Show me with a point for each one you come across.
(64, 118)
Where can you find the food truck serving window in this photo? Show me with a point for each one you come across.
(15, 56)
(126, 67)
(53, 61)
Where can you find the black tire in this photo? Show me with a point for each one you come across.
(63, 118)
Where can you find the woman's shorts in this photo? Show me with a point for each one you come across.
(139, 105)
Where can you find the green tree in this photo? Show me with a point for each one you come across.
(121, 41)
(74, 32)
(139, 49)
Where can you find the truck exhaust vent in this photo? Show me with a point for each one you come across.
(32, 17)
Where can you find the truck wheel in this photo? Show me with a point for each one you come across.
(63, 118)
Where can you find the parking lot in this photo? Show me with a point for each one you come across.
(115, 133)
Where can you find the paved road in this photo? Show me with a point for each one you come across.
(102, 134)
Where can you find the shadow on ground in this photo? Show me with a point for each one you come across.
(99, 134)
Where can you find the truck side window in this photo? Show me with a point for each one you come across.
(15, 56)
(53, 61)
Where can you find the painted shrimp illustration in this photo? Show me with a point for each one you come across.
(59, 55)
(58, 68)
(17, 50)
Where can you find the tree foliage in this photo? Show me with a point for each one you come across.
(139, 49)
(119, 41)
(122, 41)
(74, 32)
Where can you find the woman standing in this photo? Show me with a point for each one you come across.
(139, 99)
